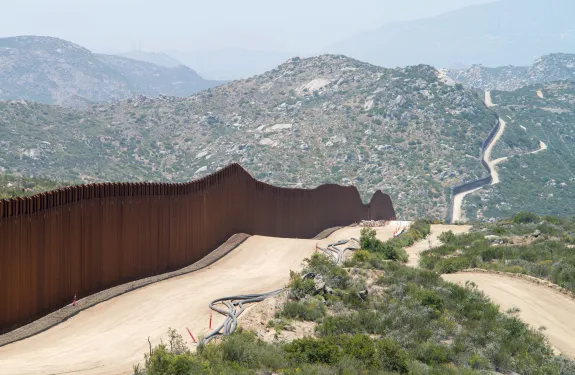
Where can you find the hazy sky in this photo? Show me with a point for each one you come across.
(301, 26)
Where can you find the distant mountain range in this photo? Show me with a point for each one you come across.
(549, 68)
(157, 58)
(231, 63)
(54, 71)
(494, 34)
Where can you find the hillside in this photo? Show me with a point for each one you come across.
(317, 120)
(54, 71)
(494, 34)
(540, 182)
(548, 68)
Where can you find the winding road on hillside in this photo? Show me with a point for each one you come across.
(458, 198)
(539, 306)
(112, 336)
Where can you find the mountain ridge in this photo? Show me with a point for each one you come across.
(54, 71)
(545, 69)
(326, 119)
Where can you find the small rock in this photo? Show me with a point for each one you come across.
(537, 233)
(492, 238)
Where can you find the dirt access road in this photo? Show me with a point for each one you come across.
(538, 305)
(112, 336)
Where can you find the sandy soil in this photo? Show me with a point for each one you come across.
(539, 306)
(489, 149)
(457, 202)
(540, 93)
(542, 147)
(488, 101)
(112, 336)
(432, 241)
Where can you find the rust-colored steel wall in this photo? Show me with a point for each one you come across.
(84, 239)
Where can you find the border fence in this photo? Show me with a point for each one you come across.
(84, 239)
(476, 183)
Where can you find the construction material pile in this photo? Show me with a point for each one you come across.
(372, 223)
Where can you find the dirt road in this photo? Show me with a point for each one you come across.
(112, 336)
(432, 241)
(488, 101)
(458, 202)
(489, 149)
(539, 305)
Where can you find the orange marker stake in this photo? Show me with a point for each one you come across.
(192, 336)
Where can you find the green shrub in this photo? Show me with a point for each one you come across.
(312, 350)
(333, 275)
(391, 356)
(299, 287)
(311, 310)
(389, 250)
(525, 217)
(434, 354)
(360, 347)
(479, 363)
(246, 350)
(447, 237)
(361, 256)
(430, 298)
(451, 265)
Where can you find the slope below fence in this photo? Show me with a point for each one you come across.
(84, 239)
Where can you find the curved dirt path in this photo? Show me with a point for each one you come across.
(112, 336)
(432, 240)
(458, 202)
(489, 149)
(539, 305)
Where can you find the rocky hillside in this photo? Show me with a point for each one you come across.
(54, 71)
(549, 68)
(307, 122)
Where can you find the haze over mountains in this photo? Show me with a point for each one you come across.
(157, 58)
(507, 32)
(54, 71)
